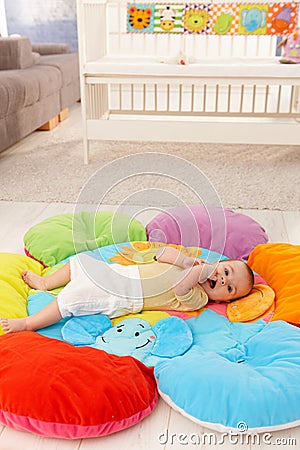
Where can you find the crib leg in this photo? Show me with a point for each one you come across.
(296, 102)
(86, 149)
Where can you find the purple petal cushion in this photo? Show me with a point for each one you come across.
(220, 230)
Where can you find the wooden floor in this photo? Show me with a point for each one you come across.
(164, 428)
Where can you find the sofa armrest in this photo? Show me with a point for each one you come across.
(51, 49)
(15, 53)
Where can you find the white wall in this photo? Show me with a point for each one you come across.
(3, 27)
(43, 20)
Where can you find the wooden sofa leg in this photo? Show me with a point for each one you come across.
(63, 114)
(52, 123)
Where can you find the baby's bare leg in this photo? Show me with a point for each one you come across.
(45, 317)
(60, 278)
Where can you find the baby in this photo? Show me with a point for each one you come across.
(175, 282)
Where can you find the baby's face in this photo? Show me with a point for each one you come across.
(229, 282)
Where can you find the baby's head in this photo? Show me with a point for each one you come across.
(231, 280)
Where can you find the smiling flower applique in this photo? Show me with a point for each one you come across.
(134, 336)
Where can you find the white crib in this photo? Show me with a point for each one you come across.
(235, 90)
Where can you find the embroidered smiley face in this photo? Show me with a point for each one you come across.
(131, 336)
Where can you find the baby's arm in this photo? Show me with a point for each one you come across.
(173, 256)
(192, 276)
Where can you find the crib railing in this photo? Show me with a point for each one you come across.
(195, 45)
(104, 26)
(191, 99)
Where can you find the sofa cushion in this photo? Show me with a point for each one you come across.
(67, 64)
(15, 53)
(15, 90)
(51, 48)
(36, 57)
(50, 80)
(4, 99)
(21, 88)
(19, 124)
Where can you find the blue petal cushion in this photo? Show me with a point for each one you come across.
(236, 376)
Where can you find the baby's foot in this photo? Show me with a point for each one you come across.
(34, 281)
(13, 325)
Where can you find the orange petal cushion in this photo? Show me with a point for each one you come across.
(279, 265)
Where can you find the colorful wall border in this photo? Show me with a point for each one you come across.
(213, 18)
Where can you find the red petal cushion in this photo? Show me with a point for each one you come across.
(54, 389)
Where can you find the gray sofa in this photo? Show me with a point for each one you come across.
(37, 83)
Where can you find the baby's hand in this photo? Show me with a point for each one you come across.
(189, 262)
(208, 270)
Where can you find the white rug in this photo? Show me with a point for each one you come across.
(237, 176)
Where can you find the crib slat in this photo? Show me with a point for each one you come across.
(99, 93)
(217, 98)
(231, 46)
(192, 98)
(180, 97)
(219, 45)
(206, 45)
(169, 46)
(92, 100)
(292, 98)
(245, 46)
(168, 97)
(132, 97)
(120, 96)
(144, 97)
(229, 97)
(155, 44)
(242, 98)
(266, 99)
(279, 98)
(253, 98)
(271, 46)
(257, 46)
(204, 97)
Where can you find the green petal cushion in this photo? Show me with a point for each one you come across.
(63, 235)
(14, 291)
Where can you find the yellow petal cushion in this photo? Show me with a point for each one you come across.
(14, 291)
(279, 265)
(258, 304)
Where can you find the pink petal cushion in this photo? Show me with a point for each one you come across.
(221, 230)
